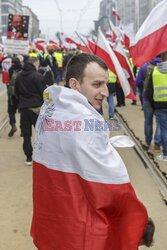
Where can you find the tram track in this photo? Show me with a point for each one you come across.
(4, 123)
(147, 158)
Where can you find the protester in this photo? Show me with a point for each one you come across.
(157, 94)
(47, 73)
(141, 82)
(82, 195)
(12, 99)
(111, 90)
(29, 89)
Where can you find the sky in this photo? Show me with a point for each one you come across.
(65, 16)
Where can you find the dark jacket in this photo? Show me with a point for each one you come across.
(47, 74)
(29, 87)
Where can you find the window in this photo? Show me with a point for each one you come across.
(5, 8)
(4, 30)
(4, 20)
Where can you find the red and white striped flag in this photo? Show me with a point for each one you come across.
(124, 61)
(82, 196)
(151, 38)
(114, 12)
(105, 52)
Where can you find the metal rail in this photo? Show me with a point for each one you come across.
(4, 123)
(153, 169)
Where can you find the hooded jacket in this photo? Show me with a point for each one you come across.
(29, 87)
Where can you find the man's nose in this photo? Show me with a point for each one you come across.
(104, 91)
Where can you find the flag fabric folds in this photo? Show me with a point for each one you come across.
(104, 51)
(151, 38)
(114, 12)
(82, 196)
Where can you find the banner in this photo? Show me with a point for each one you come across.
(17, 34)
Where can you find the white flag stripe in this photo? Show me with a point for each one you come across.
(155, 20)
(103, 43)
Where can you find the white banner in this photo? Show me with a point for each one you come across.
(16, 46)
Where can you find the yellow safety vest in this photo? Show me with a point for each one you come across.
(159, 86)
(131, 62)
(45, 55)
(33, 54)
(112, 77)
(59, 59)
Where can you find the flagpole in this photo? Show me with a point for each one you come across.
(84, 42)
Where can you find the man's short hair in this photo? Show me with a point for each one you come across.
(77, 64)
(32, 59)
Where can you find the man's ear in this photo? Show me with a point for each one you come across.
(74, 84)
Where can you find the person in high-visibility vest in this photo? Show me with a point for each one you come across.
(111, 89)
(59, 58)
(33, 54)
(157, 94)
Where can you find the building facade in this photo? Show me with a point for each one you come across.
(33, 23)
(15, 7)
(8, 7)
(105, 14)
(135, 11)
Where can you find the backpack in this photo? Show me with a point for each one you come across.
(150, 67)
(11, 85)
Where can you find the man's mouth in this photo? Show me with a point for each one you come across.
(99, 101)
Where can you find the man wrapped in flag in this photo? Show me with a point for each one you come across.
(83, 199)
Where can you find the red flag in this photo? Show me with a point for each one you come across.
(114, 12)
(105, 52)
(151, 38)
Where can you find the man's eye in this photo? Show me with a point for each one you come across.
(97, 84)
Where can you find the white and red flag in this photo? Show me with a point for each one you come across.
(114, 12)
(124, 61)
(82, 195)
(114, 30)
(104, 51)
(151, 38)
(6, 65)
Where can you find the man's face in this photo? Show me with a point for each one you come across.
(93, 85)
(17, 22)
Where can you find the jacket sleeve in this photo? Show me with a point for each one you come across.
(139, 81)
(17, 87)
(149, 92)
(40, 83)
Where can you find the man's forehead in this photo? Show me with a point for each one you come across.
(94, 68)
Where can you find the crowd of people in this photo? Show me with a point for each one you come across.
(62, 161)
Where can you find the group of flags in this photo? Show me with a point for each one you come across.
(149, 41)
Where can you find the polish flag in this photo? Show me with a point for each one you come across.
(88, 42)
(124, 61)
(6, 65)
(82, 195)
(151, 38)
(114, 12)
(105, 52)
(114, 31)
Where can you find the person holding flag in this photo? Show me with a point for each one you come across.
(82, 196)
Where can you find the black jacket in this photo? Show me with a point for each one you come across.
(29, 87)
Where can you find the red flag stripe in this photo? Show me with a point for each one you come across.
(71, 214)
